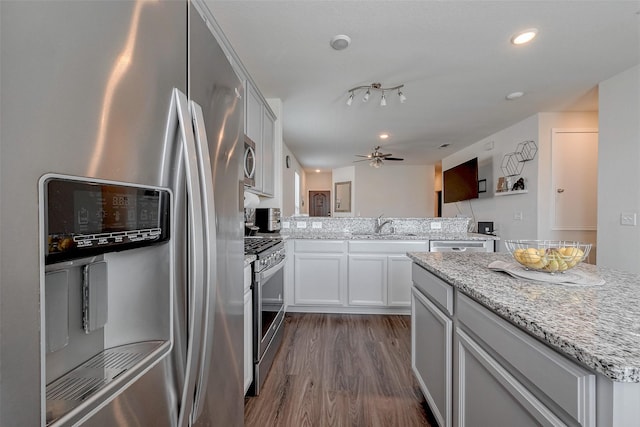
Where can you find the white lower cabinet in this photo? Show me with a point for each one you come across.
(248, 330)
(352, 276)
(320, 273)
(368, 280)
(431, 355)
(488, 395)
(380, 272)
(501, 375)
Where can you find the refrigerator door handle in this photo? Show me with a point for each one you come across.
(197, 254)
(206, 179)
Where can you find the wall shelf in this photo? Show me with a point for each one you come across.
(510, 193)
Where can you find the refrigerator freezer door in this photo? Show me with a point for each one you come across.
(215, 87)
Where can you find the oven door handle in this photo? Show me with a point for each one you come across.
(266, 275)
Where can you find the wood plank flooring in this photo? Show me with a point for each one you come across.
(341, 370)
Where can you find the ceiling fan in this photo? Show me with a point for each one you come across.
(376, 158)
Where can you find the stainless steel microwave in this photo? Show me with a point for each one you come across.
(249, 162)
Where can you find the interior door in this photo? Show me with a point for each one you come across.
(574, 163)
(319, 203)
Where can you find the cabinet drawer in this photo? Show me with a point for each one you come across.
(571, 387)
(385, 247)
(436, 289)
(320, 246)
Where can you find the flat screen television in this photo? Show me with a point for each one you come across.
(461, 182)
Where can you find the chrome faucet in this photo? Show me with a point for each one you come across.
(380, 223)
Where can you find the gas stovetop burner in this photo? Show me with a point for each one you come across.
(257, 245)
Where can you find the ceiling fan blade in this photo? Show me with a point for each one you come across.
(363, 160)
(360, 155)
(393, 158)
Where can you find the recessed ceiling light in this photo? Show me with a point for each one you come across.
(524, 36)
(514, 95)
(445, 145)
(384, 135)
(340, 42)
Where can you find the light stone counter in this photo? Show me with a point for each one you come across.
(336, 235)
(248, 259)
(596, 325)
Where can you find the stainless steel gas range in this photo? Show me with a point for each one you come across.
(268, 303)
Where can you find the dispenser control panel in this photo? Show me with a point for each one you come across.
(88, 218)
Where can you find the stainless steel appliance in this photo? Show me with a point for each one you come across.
(268, 303)
(249, 162)
(267, 219)
(119, 296)
(461, 246)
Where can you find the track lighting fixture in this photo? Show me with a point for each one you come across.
(376, 86)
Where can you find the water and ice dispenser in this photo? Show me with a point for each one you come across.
(107, 290)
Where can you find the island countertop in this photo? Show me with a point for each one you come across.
(597, 325)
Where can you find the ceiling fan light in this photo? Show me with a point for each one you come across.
(383, 100)
(366, 96)
(402, 97)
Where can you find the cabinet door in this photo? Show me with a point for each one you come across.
(399, 281)
(431, 355)
(248, 340)
(367, 280)
(319, 278)
(268, 153)
(253, 129)
(487, 395)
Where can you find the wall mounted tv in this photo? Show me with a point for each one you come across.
(461, 182)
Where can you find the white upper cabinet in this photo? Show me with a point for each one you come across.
(259, 126)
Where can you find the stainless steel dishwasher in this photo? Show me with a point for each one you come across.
(461, 246)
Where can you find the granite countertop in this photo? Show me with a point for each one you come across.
(323, 235)
(248, 259)
(596, 325)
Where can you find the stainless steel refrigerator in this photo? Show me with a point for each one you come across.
(121, 221)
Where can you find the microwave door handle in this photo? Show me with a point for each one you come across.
(206, 179)
(196, 255)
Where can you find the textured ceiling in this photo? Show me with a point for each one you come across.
(454, 58)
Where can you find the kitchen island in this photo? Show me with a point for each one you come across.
(583, 367)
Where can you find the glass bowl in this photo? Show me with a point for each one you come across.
(551, 256)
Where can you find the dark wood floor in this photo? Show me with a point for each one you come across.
(341, 370)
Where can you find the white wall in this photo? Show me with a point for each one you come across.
(395, 191)
(318, 181)
(288, 183)
(618, 171)
(501, 210)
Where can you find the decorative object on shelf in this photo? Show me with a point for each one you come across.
(376, 158)
(527, 150)
(512, 163)
(518, 185)
(376, 87)
(502, 185)
(482, 186)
